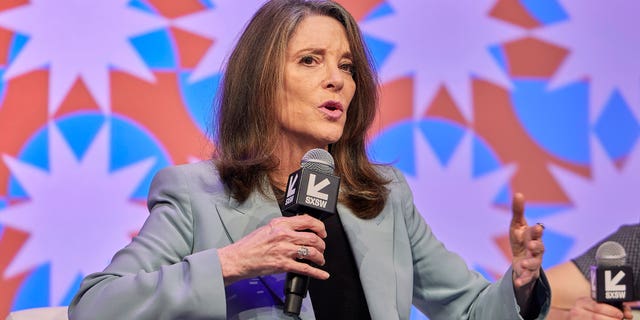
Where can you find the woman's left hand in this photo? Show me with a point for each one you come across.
(526, 246)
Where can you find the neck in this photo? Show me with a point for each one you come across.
(289, 155)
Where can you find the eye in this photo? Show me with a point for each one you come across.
(347, 67)
(307, 60)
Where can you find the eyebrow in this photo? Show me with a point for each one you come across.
(321, 51)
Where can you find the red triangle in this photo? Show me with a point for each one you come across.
(514, 12)
(173, 8)
(443, 106)
(190, 47)
(78, 98)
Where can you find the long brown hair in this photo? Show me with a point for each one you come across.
(247, 123)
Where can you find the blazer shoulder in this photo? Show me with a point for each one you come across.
(390, 173)
(204, 171)
(194, 177)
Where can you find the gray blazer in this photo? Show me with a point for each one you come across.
(171, 269)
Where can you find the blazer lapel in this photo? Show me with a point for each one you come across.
(372, 245)
(240, 219)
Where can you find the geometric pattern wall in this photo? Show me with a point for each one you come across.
(479, 99)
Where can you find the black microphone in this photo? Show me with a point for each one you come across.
(611, 278)
(313, 189)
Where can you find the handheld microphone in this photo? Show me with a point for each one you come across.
(611, 279)
(313, 189)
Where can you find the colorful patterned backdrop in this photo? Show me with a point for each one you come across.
(480, 98)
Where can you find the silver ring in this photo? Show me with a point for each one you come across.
(303, 252)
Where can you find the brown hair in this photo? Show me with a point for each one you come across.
(247, 122)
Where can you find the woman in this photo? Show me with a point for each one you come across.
(216, 246)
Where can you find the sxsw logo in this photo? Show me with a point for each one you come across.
(314, 195)
(291, 189)
(613, 288)
(311, 192)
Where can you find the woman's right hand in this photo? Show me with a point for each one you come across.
(273, 248)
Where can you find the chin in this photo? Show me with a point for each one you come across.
(329, 139)
(326, 135)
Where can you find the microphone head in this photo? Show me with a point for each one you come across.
(611, 254)
(318, 160)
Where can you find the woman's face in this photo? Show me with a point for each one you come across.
(318, 84)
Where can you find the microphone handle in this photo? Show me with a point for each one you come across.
(296, 288)
(295, 291)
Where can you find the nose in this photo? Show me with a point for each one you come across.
(334, 79)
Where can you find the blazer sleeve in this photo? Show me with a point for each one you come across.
(157, 276)
(443, 285)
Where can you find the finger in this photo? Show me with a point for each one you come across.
(302, 253)
(310, 239)
(526, 274)
(579, 314)
(522, 281)
(598, 310)
(308, 270)
(524, 278)
(307, 222)
(536, 231)
(531, 264)
(607, 310)
(627, 312)
(586, 303)
(536, 248)
(517, 209)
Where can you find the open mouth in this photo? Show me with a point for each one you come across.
(332, 109)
